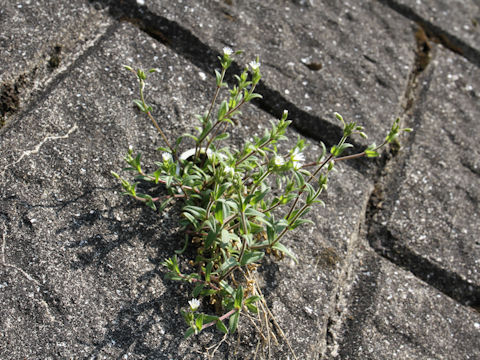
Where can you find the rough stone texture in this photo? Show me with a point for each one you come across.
(388, 318)
(432, 204)
(458, 20)
(353, 58)
(80, 273)
(38, 40)
(81, 265)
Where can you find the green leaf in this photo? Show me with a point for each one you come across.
(208, 271)
(221, 326)
(252, 299)
(250, 211)
(196, 211)
(187, 315)
(371, 153)
(280, 247)
(299, 222)
(190, 218)
(299, 179)
(238, 297)
(151, 205)
(219, 206)
(190, 331)
(227, 265)
(209, 318)
(212, 235)
(141, 74)
(222, 136)
(218, 78)
(164, 204)
(199, 322)
(252, 308)
(252, 96)
(337, 150)
(197, 290)
(140, 105)
(251, 257)
(223, 110)
(233, 322)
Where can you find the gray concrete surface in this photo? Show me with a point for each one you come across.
(390, 268)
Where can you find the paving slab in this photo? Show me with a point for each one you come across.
(394, 315)
(38, 39)
(430, 213)
(318, 57)
(80, 265)
(456, 23)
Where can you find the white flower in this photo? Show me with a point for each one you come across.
(167, 157)
(229, 170)
(194, 304)
(297, 158)
(227, 51)
(278, 160)
(254, 64)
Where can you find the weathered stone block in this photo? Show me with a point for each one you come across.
(430, 215)
(39, 39)
(81, 266)
(455, 23)
(353, 58)
(396, 316)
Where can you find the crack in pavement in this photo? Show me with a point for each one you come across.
(345, 282)
(40, 287)
(188, 45)
(448, 40)
(42, 87)
(379, 237)
(37, 147)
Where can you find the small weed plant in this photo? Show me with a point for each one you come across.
(236, 206)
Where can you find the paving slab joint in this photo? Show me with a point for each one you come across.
(448, 282)
(10, 97)
(45, 298)
(189, 46)
(450, 41)
(384, 243)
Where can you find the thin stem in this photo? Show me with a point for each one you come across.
(161, 132)
(142, 98)
(159, 198)
(253, 152)
(259, 181)
(305, 185)
(214, 287)
(216, 133)
(221, 318)
(183, 187)
(217, 90)
(242, 250)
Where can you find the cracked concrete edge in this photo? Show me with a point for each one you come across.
(190, 44)
(25, 274)
(340, 295)
(441, 33)
(450, 280)
(32, 80)
(38, 146)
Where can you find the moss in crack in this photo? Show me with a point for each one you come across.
(9, 100)
(55, 58)
(423, 50)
